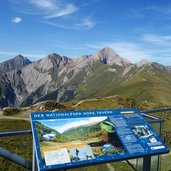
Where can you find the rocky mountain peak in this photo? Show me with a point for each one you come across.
(107, 49)
(143, 62)
(21, 59)
(161, 67)
(52, 61)
(108, 52)
(53, 56)
(19, 56)
(17, 62)
(108, 56)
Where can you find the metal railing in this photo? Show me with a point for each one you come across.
(12, 133)
(27, 164)
(12, 156)
(157, 110)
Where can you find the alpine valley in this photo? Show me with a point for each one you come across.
(60, 78)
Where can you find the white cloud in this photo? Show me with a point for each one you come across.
(157, 38)
(128, 50)
(86, 23)
(131, 51)
(161, 11)
(53, 9)
(155, 49)
(159, 46)
(50, 10)
(58, 25)
(8, 53)
(16, 20)
(69, 9)
(44, 4)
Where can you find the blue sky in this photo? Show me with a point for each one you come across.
(135, 29)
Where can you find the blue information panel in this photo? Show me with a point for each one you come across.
(77, 138)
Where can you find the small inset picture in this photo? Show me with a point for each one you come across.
(109, 149)
(78, 154)
(141, 131)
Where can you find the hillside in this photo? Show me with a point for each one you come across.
(147, 83)
(83, 132)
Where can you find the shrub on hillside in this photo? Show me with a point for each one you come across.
(11, 111)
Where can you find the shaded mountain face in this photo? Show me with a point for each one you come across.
(13, 85)
(7, 95)
(16, 63)
(105, 73)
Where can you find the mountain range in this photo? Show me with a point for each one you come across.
(60, 78)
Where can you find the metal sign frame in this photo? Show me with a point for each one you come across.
(137, 138)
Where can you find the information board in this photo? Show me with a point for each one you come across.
(77, 138)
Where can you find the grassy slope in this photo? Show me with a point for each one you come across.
(112, 102)
(19, 144)
(148, 83)
(98, 81)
